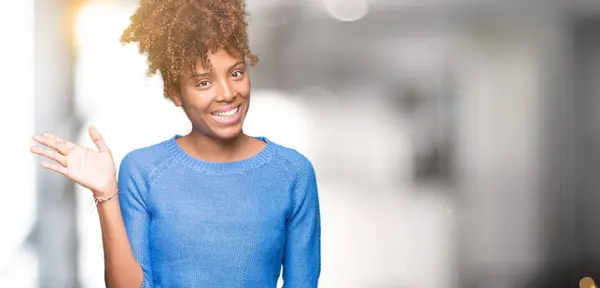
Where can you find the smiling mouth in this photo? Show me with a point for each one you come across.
(226, 115)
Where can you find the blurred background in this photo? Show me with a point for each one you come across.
(454, 140)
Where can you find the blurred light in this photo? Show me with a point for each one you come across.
(98, 28)
(587, 282)
(347, 10)
(17, 210)
(99, 22)
(110, 79)
(286, 125)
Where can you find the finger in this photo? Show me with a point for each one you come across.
(51, 143)
(61, 142)
(98, 140)
(55, 167)
(53, 155)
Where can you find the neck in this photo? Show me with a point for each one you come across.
(214, 149)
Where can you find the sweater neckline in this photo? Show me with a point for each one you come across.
(263, 156)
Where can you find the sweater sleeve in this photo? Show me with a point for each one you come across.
(302, 255)
(132, 199)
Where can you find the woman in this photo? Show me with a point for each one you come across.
(213, 208)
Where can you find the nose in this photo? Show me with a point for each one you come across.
(226, 93)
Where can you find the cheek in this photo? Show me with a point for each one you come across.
(243, 89)
(197, 100)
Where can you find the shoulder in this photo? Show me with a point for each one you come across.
(144, 160)
(301, 172)
(294, 160)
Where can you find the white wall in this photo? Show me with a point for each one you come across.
(17, 209)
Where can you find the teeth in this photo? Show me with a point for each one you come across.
(226, 114)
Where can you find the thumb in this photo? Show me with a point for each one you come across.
(98, 140)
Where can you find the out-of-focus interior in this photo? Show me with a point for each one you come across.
(455, 142)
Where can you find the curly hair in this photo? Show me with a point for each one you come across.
(174, 33)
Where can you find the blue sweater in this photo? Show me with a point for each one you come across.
(193, 223)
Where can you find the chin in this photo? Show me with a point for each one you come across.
(228, 133)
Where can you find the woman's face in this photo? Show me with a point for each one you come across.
(216, 101)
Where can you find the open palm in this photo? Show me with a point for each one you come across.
(91, 169)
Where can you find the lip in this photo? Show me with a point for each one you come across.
(226, 108)
(231, 121)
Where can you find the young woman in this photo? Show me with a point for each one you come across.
(213, 208)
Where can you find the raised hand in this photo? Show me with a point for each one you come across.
(89, 168)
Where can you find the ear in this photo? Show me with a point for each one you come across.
(172, 88)
(176, 100)
(175, 96)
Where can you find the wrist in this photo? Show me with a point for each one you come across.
(110, 190)
(102, 199)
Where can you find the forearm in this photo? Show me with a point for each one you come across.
(121, 267)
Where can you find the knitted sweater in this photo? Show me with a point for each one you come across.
(193, 223)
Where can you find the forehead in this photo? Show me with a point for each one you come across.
(219, 60)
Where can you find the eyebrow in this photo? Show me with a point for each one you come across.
(236, 64)
(207, 74)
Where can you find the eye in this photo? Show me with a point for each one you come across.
(237, 75)
(203, 83)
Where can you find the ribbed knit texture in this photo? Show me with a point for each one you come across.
(193, 223)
